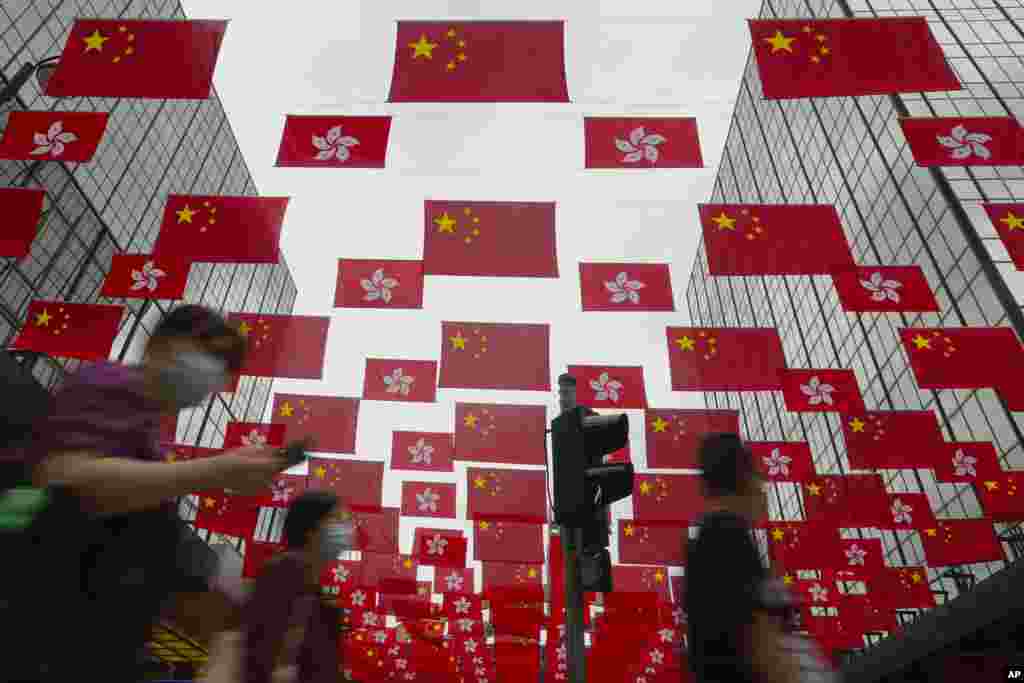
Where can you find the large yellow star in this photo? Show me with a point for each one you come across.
(931, 532)
(992, 485)
(210, 502)
(787, 579)
(857, 425)
(814, 489)
(780, 42)
(445, 223)
(685, 344)
(458, 342)
(185, 214)
(659, 425)
(1012, 221)
(423, 47)
(287, 410)
(922, 342)
(778, 534)
(485, 525)
(645, 488)
(724, 222)
(95, 41)
(480, 483)
(43, 319)
(628, 530)
(532, 573)
(407, 564)
(244, 329)
(659, 576)
(320, 472)
(470, 421)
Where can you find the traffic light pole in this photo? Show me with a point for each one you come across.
(576, 653)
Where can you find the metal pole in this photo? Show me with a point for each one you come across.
(13, 86)
(576, 653)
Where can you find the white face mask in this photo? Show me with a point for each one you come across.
(335, 538)
(192, 376)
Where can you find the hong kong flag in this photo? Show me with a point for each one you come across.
(141, 276)
(423, 451)
(824, 390)
(801, 545)
(961, 541)
(408, 381)
(909, 511)
(1008, 220)
(53, 135)
(452, 580)
(607, 386)
(442, 550)
(673, 436)
(626, 287)
(238, 434)
(969, 462)
(724, 358)
(22, 208)
(783, 460)
(617, 142)
(428, 499)
(859, 558)
(334, 141)
(379, 283)
(884, 289)
(958, 141)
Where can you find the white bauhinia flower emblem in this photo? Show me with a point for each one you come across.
(378, 287)
(254, 438)
(358, 598)
(282, 491)
(436, 545)
(623, 289)
(640, 145)
(421, 452)
(454, 582)
(855, 555)
(466, 625)
(393, 651)
(470, 645)
(678, 616)
(147, 278)
(777, 463)
(334, 145)
(398, 383)
(657, 656)
(606, 388)
(341, 575)
(481, 671)
(479, 661)
(817, 391)
(369, 619)
(380, 636)
(882, 289)
(901, 512)
(963, 464)
(462, 606)
(650, 671)
(410, 675)
(667, 635)
(427, 501)
(401, 664)
(53, 140)
(562, 652)
(818, 593)
(962, 144)
(641, 679)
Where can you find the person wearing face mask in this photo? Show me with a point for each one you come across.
(100, 443)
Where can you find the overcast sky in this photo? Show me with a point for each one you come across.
(631, 58)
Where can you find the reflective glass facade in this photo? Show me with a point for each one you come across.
(850, 152)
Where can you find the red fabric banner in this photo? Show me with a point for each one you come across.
(505, 541)
(379, 283)
(961, 541)
(648, 142)
(641, 543)
(504, 356)
(222, 229)
(407, 381)
(422, 451)
(673, 436)
(237, 434)
(626, 287)
(884, 289)
(506, 494)
(821, 390)
(291, 346)
(783, 460)
(141, 276)
(724, 358)
(959, 141)
(71, 136)
(428, 499)
(83, 331)
(22, 208)
(357, 483)
(967, 462)
(330, 420)
(610, 386)
(673, 498)
(900, 439)
(1008, 220)
(334, 141)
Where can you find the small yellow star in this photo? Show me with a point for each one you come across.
(485, 525)
(915, 577)
(992, 485)
(470, 421)
(43, 319)
(95, 41)
(814, 489)
(445, 223)
(628, 530)
(724, 222)
(922, 342)
(185, 215)
(1013, 222)
(458, 341)
(423, 47)
(787, 579)
(780, 42)
(244, 329)
(320, 472)
(286, 409)
(857, 425)
(778, 534)
(685, 343)
(210, 502)
(645, 488)
(659, 425)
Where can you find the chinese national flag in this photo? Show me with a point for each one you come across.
(506, 494)
(641, 579)
(673, 436)
(291, 346)
(379, 283)
(154, 59)
(330, 420)
(82, 331)
(388, 573)
(505, 541)
(71, 136)
(479, 61)
(1008, 220)
(859, 558)
(376, 530)
(221, 229)
(851, 501)
(773, 239)
(257, 554)
(724, 358)
(356, 482)
(641, 287)
(675, 498)
(961, 541)
(504, 356)
(1002, 497)
(821, 390)
(238, 434)
(884, 289)
(641, 543)
(423, 451)
(410, 381)
(489, 239)
(334, 141)
(222, 513)
(969, 462)
(958, 141)
(909, 511)
(454, 580)
(617, 142)
(793, 546)
(902, 588)
(428, 499)
(866, 614)
(503, 580)
(22, 208)
(608, 386)
(848, 57)
(783, 460)
(491, 432)
(901, 439)
(140, 276)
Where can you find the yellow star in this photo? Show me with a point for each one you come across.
(659, 576)
(1012, 221)
(185, 215)
(787, 579)
(445, 223)
(532, 573)
(320, 472)
(685, 344)
(724, 222)
(244, 329)
(470, 421)
(931, 532)
(915, 577)
(43, 319)
(423, 47)
(645, 488)
(95, 41)
(814, 489)
(780, 42)
(286, 409)
(857, 425)
(407, 564)
(628, 530)
(210, 502)
(485, 525)
(458, 341)
(992, 485)
(480, 483)
(659, 425)
(922, 342)
(778, 534)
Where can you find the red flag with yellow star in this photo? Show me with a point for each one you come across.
(222, 513)
(673, 436)
(410, 381)
(221, 229)
(641, 543)
(852, 501)
(724, 358)
(154, 59)
(884, 289)
(83, 331)
(376, 530)
(358, 483)
(961, 541)
(22, 207)
(964, 141)
(479, 61)
(895, 439)
(676, 498)
(848, 57)
(500, 540)
(508, 579)
(783, 460)
(1008, 220)
(290, 346)
(503, 433)
(1002, 497)
(773, 239)
(330, 420)
(388, 573)
(506, 494)
(793, 546)
(902, 588)
(506, 356)
(71, 136)
(422, 451)
(379, 283)
(641, 579)
(489, 239)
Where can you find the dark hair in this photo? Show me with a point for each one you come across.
(305, 514)
(566, 380)
(209, 328)
(726, 464)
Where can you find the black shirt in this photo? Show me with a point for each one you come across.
(724, 586)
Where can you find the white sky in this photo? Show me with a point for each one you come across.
(632, 58)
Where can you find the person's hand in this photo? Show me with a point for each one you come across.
(250, 470)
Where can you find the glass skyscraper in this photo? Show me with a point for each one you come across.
(850, 152)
